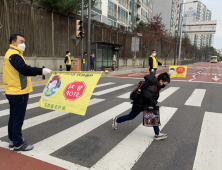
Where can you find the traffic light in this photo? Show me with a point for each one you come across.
(79, 29)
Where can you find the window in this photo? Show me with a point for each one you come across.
(143, 12)
(129, 17)
(111, 5)
(122, 13)
(97, 17)
(150, 5)
(144, 1)
(112, 9)
(98, 4)
(149, 16)
(111, 23)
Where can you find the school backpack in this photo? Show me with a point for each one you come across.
(136, 94)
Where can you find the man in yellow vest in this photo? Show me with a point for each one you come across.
(18, 85)
(68, 61)
(153, 63)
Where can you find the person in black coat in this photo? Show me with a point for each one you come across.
(150, 95)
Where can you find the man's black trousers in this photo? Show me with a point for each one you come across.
(18, 104)
(68, 67)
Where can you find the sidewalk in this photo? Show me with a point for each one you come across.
(122, 70)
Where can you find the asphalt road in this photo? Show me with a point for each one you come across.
(185, 111)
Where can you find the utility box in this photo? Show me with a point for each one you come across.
(77, 64)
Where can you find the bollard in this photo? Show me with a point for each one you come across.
(60, 67)
(43, 76)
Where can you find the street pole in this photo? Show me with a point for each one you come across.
(175, 55)
(180, 33)
(89, 42)
(82, 3)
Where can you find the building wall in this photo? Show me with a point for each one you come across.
(111, 12)
(198, 12)
(169, 10)
(164, 8)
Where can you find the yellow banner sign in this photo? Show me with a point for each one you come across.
(178, 71)
(69, 91)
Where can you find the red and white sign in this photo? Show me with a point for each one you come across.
(74, 90)
(180, 70)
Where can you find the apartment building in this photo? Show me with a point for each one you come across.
(198, 12)
(169, 10)
(124, 14)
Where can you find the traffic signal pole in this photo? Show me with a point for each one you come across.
(82, 3)
(88, 36)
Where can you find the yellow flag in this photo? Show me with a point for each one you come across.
(69, 91)
(178, 71)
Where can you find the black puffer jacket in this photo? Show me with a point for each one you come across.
(150, 94)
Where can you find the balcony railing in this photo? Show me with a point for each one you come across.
(112, 12)
(122, 18)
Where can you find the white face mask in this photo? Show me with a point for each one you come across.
(22, 47)
(154, 54)
(69, 53)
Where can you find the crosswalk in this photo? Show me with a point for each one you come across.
(131, 148)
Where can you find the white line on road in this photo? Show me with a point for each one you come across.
(30, 96)
(40, 94)
(125, 96)
(43, 118)
(63, 138)
(104, 84)
(166, 93)
(131, 148)
(29, 106)
(209, 149)
(196, 98)
(112, 89)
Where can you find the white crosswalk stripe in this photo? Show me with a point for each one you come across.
(104, 84)
(163, 95)
(40, 94)
(63, 138)
(209, 150)
(125, 95)
(43, 118)
(196, 98)
(30, 96)
(129, 150)
(166, 93)
(112, 89)
(29, 106)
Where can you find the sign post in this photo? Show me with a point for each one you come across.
(135, 47)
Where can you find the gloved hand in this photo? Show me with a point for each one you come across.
(152, 70)
(46, 71)
(163, 65)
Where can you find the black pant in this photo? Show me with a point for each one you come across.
(18, 104)
(68, 67)
(92, 66)
(153, 73)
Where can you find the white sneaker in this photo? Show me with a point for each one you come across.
(114, 125)
(160, 136)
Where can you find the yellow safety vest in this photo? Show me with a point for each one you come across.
(155, 61)
(69, 60)
(14, 82)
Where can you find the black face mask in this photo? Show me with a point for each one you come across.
(163, 86)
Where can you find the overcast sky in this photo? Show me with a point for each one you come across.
(216, 7)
